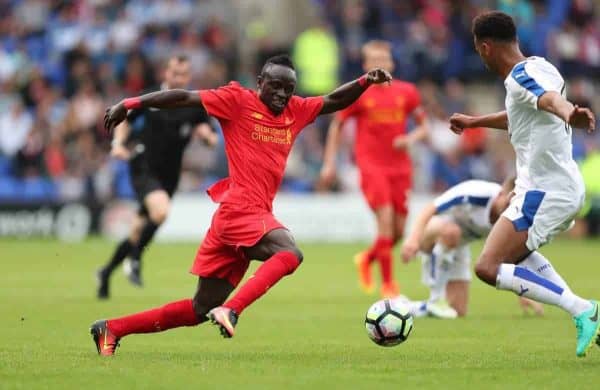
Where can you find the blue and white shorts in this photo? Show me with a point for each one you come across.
(457, 269)
(543, 214)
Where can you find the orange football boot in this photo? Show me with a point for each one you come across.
(365, 280)
(106, 342)
(225, 319)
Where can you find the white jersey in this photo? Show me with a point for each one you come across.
(469, 204)
(542, 141)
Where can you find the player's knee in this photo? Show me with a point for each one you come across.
(298, 254)
(159, 214)
(450, 235)
(486, 270)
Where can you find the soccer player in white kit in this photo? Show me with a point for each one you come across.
(549, 190)
(442, 233)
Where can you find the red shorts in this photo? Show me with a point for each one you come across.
(220, 255)
(382, 189)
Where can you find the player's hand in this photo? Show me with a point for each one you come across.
(119, 151)
(401, 142)
(207, 135)
(328, 175)
(409, 250)
(113, 116)
(460, 122)
(379, 76)
(211, 140)
(582, 118)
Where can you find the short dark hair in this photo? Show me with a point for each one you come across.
(281, 59)
(495, 25)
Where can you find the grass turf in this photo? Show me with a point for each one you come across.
(308, 332)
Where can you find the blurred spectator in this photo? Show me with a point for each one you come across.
(63, 62)
(124, 32)
(316, 56)
(15, 126)
(589, 217)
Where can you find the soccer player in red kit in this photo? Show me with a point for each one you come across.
(259, 128)
(381, 153)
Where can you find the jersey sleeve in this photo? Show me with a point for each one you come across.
(532, 80)
(452, 197)
(414, 105)
(307, 109)
(414, 99)
(473, 192)
(222, 102)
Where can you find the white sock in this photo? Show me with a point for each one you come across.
(537, 263)
(437, 291)
(439, 272)
(533, 286)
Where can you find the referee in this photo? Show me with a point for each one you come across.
(153, 141)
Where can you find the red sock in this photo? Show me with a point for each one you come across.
(383, 253)
(171, 315)
(269, 273)
(372, 251)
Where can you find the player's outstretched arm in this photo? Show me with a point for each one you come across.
(171, 98)
(117, 146)
(460, 122)
(412, 243)
(331, 148)
(345, 95)
(418, 134)
(578, 117)
(208, 136)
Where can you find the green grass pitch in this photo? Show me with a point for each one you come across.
(308, 332)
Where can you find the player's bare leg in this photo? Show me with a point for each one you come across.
(399, 226)
(499, 265)
(158, 204)
(278, 250)
(210, 293)
(384, 217)
(457, 295)
(121, 252)
(382, 251)
(439, 245)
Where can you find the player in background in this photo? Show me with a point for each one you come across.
(549, 190)
(381, 152)
(259, 128)
(442, 233)
(153, 141)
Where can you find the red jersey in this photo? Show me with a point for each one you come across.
(381, 113)
(257, 142)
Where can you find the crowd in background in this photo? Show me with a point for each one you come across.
(63, 62)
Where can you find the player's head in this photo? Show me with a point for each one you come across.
(277, 82)
(178, 72)
(377, 54)
(493, 33)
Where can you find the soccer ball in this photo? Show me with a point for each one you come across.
(388, 322)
